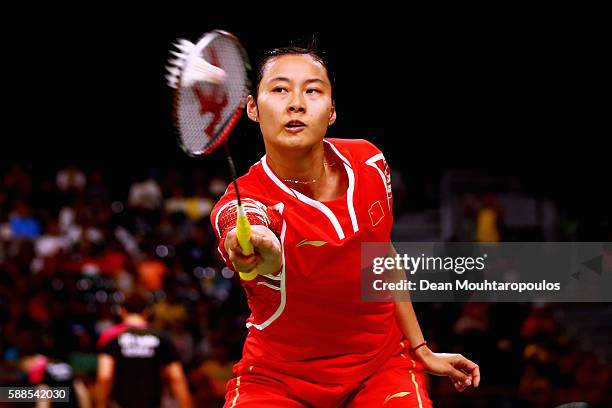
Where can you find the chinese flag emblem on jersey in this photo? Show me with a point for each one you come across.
(376, 213)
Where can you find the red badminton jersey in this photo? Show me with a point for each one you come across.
(309, 321)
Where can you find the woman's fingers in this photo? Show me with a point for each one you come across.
(469, 367)
(458, 385)
(460, 379)
(266, 256)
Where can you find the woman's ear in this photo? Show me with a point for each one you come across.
(332, 115)
(252, 109)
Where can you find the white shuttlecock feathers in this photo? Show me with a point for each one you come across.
(189, 69)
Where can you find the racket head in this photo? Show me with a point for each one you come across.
(211, 79)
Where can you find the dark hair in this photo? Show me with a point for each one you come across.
(136, 301)
(311, 50)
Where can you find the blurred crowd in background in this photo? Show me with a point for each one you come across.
(74, 241)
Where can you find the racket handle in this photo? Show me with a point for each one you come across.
(243, 234)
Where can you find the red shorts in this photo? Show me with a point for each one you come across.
(396, 384)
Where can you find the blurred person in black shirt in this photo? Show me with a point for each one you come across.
(48, 373)
(133, 360)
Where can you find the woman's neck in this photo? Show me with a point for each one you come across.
(301, 166)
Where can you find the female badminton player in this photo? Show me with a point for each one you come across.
(312, 201)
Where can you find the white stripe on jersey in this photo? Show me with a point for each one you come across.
(370, 162)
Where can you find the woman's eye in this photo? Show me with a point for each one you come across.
(279, 89)
(312, 91)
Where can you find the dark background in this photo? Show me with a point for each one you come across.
(514, 93)
(510, 96)
(503, 95)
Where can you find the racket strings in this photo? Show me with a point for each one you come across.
(206, 108)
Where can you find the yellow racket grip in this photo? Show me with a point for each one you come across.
(243, 234)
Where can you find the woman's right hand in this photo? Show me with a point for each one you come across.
(267, 251)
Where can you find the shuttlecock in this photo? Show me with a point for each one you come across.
(189, 68)
(199, 70)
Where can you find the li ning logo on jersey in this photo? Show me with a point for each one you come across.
(308, 242)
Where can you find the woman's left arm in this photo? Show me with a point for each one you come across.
(462, 372)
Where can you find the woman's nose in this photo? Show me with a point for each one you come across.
(297, 105)
(296, 108)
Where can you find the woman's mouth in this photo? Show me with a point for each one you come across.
(295, 126)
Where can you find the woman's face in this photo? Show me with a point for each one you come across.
(294, 105)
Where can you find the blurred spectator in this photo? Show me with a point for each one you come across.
(45, 372)
(195, 207)
(488, 219)
(67, 224)
(169, 312)
(52, 243)
(22, 223)
(151, 273)
(113, 259)
(176, 202)
(145, 194)
(71, 179)
(212, 375)
(134, 359)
